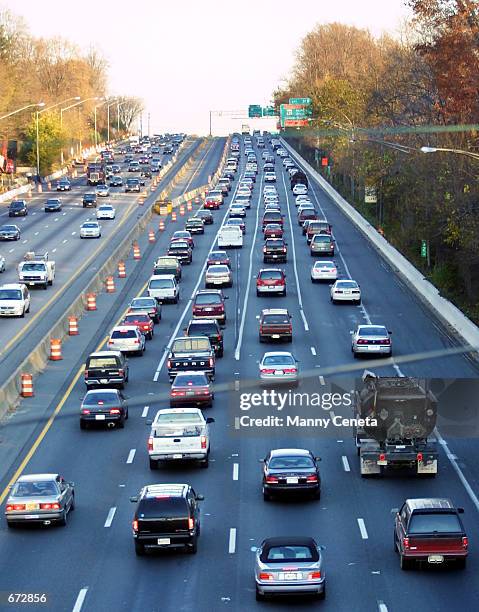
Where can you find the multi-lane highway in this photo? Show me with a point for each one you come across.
(91, 564)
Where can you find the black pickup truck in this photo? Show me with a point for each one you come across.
(191, 353)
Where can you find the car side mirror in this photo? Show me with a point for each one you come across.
(72, 484)
(134, 498)
(226, 297)
(389, 332)
(210, 420)
(351, 332)
(460, 510)
(81, 398)
(149, 422)
(200, 497)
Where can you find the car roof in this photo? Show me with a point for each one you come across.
(288, 541)
(366, 327)
(271, 270)
(201, 321)
(127, 327)
(179, 411)
(300, 452)
(34, 477)
(208, 291)
(430, 503)
(136, 313)
(277, 354)
(162, 277)
(275, 311)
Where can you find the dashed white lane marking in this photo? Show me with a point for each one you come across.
(110, 517)
(36, 233)
(80, 599)
(362, 529)
(56, 219)
(321, 380)
(313, 350)
(11, 250)
(235, 471)
(131, 455)
(232, 541)
(145, 411)
(345, 461)
(66, 240)
(382, 607)
(24, 241)
(73, 233)
(54, 250)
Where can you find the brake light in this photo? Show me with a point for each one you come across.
(271, 479)
(191, 523)
(260, 282)
(419, 457)
(11, 507)
(54, 506)
(177, 393)
(218, 337)
(265, 576)
(121, 372)
(168, 364)
(203, 441)
(312, 478)
(382, 457)
(134, 524)
(114, 411)
(211, 362)
(150, 443)
(85, 411)
(290, 370)
(405, 543)
(136, 341)
(314, 575)
(386, 341)
(465, 542)
(110, 341)
(267, 371)
(360, 341)
(264, 249)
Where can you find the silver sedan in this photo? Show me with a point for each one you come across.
(90, 229)
(345, 291)
(371, 339)
(278, 367)
(324, 270)
(218, 276)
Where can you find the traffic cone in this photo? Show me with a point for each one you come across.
(141, 200)
(161, 225)
(121, 269)
(182, 210)
(136, 251)
(110, 284)
(27, 385)
(91, 301)
(55, 349)
(29, 194)
(189, 206)
(73, 326)
(173, 216)
(151, 236)
(197, 200)
(39, 188)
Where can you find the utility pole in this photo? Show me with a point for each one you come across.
(148, 125)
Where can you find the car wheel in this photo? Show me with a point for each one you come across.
(258, 294)
(322, 595)
(45, 286)
(261, 338)
(461, 563)
(205, 462)
(317, 494)
(139, 549)
(121, 423)
(23, 314)
(153, 464)
(266, 496)
(404, 563)
(150, 335)
(221, 352)
(72, 504)
(63, 521)
(259, 596)
(127, 415)
(284, 293)
(192, 548)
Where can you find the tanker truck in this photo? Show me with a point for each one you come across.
(395, 418)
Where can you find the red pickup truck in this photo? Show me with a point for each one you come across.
(430, 530)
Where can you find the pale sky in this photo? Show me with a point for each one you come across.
(184, 57)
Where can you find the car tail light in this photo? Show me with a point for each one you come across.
(312, 478)
(86, 373)
(265, 576)
(260, 282)
(121, 372)
(267, 371)
(134, 524)
(114, 411)
(203, 441)
(136, 341)
(290, 370)
(419, 456)
(178, 393)
(271, 479)
(314, 575)
(465, 542)
(284, 249)
(85, 411)
(405, 543)
(218, 337)
(191, 523)
(386, 341)
(382, 457)
(168, 363)
(360, 341)
(16, 507)
(110, 341)
(53, 506)
(150, 443)
(264, 249)
(211, 362)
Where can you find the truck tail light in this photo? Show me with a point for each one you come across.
(360, 341)
(465, 542)
(271, 479)
(382, 457)
(290, 370)
(85, 411)
(314, 575)
(134, 524)
(191, 523)
(168, 364)
(265, 576)
(284, 249)
(419, 457)
(114, 411)
(405, 543)
(12, 507)
(386, 341)
(211, 362)
(150, 443)
(267, 371)
(203, 441)
(53, 506)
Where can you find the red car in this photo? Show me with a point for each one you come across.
(142, 320)
(184, 235)
(272, 216)
(271, 280)
(210, 304)
(191, 389)
(217, 258)
(273, 230)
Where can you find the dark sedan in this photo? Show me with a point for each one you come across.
(191, 389)
(103, 406)
(288, 470)
(218, 257)
(206, 216)
(18, 208)
(53, 205)
(10, 232)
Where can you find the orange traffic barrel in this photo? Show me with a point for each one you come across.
(136, 251)
(55, 349)
(121, 269)
(151, 236)
(110, 284)
(173, 216)
(49, 186)
(141, 200)
(29, 194)
(91, 301)
(27, 385)
(161, 225)
(182, 210)
(39, 188)
(73, 326)
(189, 206)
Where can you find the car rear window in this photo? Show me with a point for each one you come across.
(271, 275)
(277, 360)
(274, 243)
(178, 246)
(34, 489)
(434, 523)
(208, 298)
(347, 285)
(189, 380)
(123, 333)
(373, 331)
(101, 362)
(276, 319)
(218, 269)
(291, 553)
(149, 303)
(159, 505)
(321, 238)
(166, 261)
(138, 318)
(161, 283)
(178, 417)
(186, 345)
(202, 329)
(291, 462)
(96, 397)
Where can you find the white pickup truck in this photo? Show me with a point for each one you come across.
(179, 434)
(36, 269)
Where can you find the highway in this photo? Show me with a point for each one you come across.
(90, 565)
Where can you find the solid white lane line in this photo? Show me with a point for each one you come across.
(235, 471)
(362, 529)
(382, 607)
(110, 517)
(131, 455)
(345, 461)
(313, 350)
(232, 541)
(145, 411)
(80, 599)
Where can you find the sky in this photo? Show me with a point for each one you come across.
(185, 58)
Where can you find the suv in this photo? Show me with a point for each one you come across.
(275, 324)
(106, 368)
(210, 304)
(271, 280)
(321, 244)
(166, 516)
(89, 200)
(132, 184)
(181, 250)
(275, 250)
(209, 328)
(14, 300)
(317, 227)
(168, 265)
(18, 208)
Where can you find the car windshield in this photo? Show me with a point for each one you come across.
(276, 319)
(8, 228)
(373, 331)
(122, 334)
(290, 553)
(17, 205)
(94, 398)
(208, 298)
(292, 462)
(10, 294)
(190, 380)
(178, 417)
(33, 267)
(53, 202)
(90, 225)
(434, 523)
(278, 360)
(101, 362)
(40, 488)
(161, 283)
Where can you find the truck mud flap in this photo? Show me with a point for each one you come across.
(429, 467)
(369, 467)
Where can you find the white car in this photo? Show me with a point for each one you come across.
(270, 177)
(244, 191)
(102, 191)
(305, 206)
(14, 300)
(218, 275)
(127, 339)
(345, 291)
(269, 189)
(371, 339)
(105, 211)
(302, 198)
(281, 152)
(237, 210)
(300, 189)
(164, 288)
(278, 367)
(90, 229)
(324, 270)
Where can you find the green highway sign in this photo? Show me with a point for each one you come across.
(255, 110)
(268, 111)
(295, 113)
(304, 101)
(423, 249)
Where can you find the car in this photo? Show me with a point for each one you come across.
(164, 288)
(218, 275)
(300, 189)
(39, 498)
(430, 530)
(281, 152)
(10, 232)
(146, 304)
(90, 229)
(271, 280)
(53, 205)
(275, 250)
(275, 324)
(317, 227)
(272, 216)
(102, 191)
(345, 291)
(14, 300)
(181, 250)
(218, 257)
(185, 236)
(270, 177)
(238, 222)
(305, 226)
(64, 185)
(272, 206)
(279, 367)
(209, 304)
(104, 406)
(166, 516)
(191, 389)
(291, 470)
(371, 339)
(132, 185)
(2, 263)
(105, 211)
(89, 200)
(195, 225)
(142, 321)
(237, 210)
(243, 199)
(209, 328)
(307, 214)
(303, 206)
(134, 166)
(116, 168)
(168, 265)
(206, 216)
(324, 270)
(127, 339)
(116, 181)
(106, 369)
(321, 244)
(18, 208)
(302, 199)
(289, 566)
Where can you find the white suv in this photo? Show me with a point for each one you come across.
(14, 300)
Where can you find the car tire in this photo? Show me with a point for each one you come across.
(150, 335)
(205, 463)
(259, 596)
(45, 286)
(192, 548)
(221, 352)
(284, 293)
(121, 423)
(139, 549)
(317, 494)
(266, 496)
(322, 595)
(258, 294)
(153, 464)
(72, 505)
(261, 339)
(461, 563)
(64, 520)
(23, 314)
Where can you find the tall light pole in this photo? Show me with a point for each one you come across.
(96, 135)
(19, 110)
(62, 110)
(446, 150)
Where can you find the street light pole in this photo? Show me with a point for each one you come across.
(19, 110)
(38, 146)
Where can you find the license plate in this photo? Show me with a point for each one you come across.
(347, 293)
(99, 417)
(275, 336)
(291, 481)
(32, 516)
(31, 284)
(374, 348)
(279, 372)
(30, 507)
(435, 559)
(290, 576)
(163, 541)
(178, 456)
(190, 393)
(208, 310)
(274, 256)
(103, 381)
